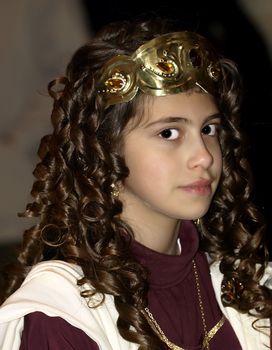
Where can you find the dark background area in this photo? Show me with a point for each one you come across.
(228, 27)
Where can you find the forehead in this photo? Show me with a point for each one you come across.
(191, 105)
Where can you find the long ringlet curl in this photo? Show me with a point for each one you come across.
(78, 218)
(234, 228)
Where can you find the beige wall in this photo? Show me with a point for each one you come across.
(37, 37)
(260, 14)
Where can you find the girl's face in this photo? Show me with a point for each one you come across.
(174, 158)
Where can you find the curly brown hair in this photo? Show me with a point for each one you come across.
(78, 218)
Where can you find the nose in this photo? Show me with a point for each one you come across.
(200, 155)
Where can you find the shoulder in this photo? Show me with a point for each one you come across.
(249, 337)
(44, 332)
(217, 275)
(51, 288)
(54, 269)
(47, 288)
(49, 283)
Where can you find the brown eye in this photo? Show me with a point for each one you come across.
(210, 129)
(169, 134)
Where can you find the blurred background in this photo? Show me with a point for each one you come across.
(37, 39)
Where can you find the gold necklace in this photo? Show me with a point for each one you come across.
(208, 335)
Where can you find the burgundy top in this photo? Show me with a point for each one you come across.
(173, 301)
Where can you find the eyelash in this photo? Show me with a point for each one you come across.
(215, 131)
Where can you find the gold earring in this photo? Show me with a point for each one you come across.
(197, 222)
(114, 190)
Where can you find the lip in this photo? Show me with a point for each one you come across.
(200, 187)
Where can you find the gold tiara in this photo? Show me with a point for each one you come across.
(169, 64)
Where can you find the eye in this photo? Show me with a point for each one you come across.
(210, 129)
(169, 134)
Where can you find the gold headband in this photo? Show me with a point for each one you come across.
(169, 64)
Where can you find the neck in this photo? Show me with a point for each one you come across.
(159, 234)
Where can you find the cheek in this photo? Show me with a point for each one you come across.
(218, 158)
(148, 170)
(214, 149)
(217, 165)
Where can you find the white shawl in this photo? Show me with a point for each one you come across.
(51, 288)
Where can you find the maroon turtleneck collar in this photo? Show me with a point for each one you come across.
(167, 270)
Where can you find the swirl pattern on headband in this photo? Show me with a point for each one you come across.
(168, 64)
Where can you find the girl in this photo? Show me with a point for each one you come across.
(145, 142)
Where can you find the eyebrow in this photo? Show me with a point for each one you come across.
(169, 119)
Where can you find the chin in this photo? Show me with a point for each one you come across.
(194, 216)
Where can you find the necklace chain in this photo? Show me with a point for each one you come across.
(206, 344)
(153, 323)
(207, 335)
